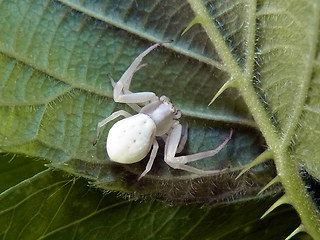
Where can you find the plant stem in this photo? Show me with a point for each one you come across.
(244, 83)
(287, 169)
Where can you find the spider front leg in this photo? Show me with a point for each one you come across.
(121, 91)
(171, 146)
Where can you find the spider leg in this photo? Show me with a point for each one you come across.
(180, 162)
(140, 66)
(134, 106)
(153, 155)
(102, 123)
(183, 139)
(121, 91)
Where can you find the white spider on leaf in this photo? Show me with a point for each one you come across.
(130, 139)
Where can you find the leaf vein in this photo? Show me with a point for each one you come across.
(75, 222)
(124, 26)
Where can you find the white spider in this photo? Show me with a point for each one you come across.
(130, 139)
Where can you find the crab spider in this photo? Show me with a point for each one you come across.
(130, 139)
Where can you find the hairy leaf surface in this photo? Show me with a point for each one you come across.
(50, 205)
(54, 57)
(54, 60)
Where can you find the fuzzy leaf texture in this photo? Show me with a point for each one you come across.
(283, 107)
(49, 205)
(54, 91)
(54, 57)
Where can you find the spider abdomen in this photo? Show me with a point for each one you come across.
(130, 139)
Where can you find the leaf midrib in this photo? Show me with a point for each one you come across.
(144, 35)
(108, 94)
(287, 169)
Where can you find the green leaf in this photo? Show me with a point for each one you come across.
(14, 169)
(54, 90)
(54, 57)
(50, 205)
(284, 74)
